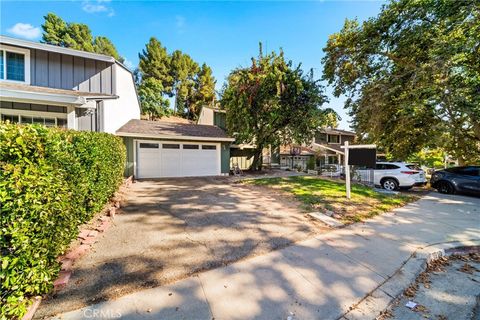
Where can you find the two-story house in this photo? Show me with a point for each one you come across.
(325, 148)
(326, 145)
(56, 86)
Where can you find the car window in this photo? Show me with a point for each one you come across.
(380, 166)
(413, 167)
(470, 171)
(454, 170)
(391, 166)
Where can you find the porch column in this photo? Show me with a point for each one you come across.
(339, 159)
(71, 120)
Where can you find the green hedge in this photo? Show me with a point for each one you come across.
(51, 181)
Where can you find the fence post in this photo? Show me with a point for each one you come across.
(347, 170)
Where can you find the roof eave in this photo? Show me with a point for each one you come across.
(172, 137)
(32, 97)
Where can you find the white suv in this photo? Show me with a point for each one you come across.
(396, 175)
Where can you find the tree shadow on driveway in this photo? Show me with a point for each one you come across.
(170, 229)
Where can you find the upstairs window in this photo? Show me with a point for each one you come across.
(333, 138)
(14, 64)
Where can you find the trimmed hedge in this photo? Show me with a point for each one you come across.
(51, 181)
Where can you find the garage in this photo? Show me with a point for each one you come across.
(158, 149)
(159, 159)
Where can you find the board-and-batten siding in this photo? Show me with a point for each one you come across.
(55, 70)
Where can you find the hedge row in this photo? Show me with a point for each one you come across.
(51, 181)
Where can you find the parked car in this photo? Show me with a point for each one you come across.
(457, 179)
(398, 175)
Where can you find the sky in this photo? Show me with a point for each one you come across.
(225, 35)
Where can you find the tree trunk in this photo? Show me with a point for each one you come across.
(257, 159)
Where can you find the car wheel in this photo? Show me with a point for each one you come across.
(445, 187)
(390, 184)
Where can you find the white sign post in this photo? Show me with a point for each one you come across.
(346, 146)
(347, 170)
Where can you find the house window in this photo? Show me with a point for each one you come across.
(11, 118)
(24, 119)
(333, 138)
(321, 138)
(14, 64)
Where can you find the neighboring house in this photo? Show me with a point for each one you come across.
(295, 156)
(158, 149)
(326, 145)
(56, 86)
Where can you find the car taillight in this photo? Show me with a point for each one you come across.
(409, 172)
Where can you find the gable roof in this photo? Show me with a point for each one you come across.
(172, 130)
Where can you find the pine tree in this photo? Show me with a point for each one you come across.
(155, 63)
(54, 30)
(204, 91)
(103, 45)
(75, 36)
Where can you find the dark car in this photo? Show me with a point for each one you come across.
(457, 180)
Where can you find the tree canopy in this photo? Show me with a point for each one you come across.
(75, 36)
(272, 102)
(412, 76)
(179, 76)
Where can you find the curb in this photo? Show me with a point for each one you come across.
(382, 296)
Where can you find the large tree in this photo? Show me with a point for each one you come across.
(183, 71)
(272, 102)
(75, 36)
(204, 91)
(155, 62)
(179, 76)
(153, 102)
(412, 76)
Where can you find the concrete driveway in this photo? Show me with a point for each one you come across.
(170, 229)
(349, 273)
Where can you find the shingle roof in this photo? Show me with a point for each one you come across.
(338, 131)
(304, 151)
(162, 129)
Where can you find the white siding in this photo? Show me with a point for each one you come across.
(206, 117)
(119, 111)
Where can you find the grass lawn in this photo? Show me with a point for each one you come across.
(319, 194)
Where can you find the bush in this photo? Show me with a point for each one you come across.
(51, 181)
(311, 163)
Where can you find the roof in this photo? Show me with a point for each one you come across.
(333, 147)
(305, 151)
(172, 130)
(338, 131)
(51, 48)
(20, 91)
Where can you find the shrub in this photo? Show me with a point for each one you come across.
(51, 181)
(311, 163)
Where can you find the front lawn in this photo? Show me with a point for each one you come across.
(319, 194)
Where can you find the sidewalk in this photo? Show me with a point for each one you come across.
(321, 278)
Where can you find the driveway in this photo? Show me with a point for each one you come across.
(170, 229)
(349, 273)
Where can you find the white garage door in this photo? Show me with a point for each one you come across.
(156, 159)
